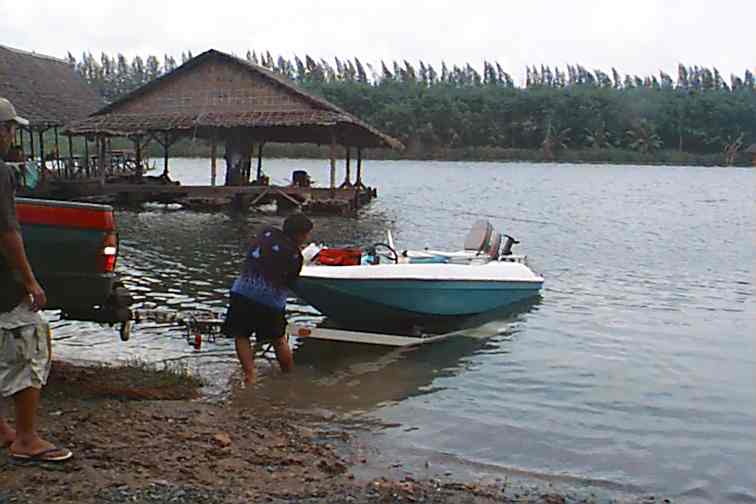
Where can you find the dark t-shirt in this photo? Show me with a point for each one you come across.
(270, 269)
(11, 290)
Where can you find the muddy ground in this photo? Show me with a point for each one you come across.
(144, 437)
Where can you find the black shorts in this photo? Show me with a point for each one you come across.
(245, 317)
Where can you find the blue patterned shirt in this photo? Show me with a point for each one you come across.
(271, 267)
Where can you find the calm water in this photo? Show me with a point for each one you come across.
(634, 372)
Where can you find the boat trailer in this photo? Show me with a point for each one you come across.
(205, 326)
(366, 338)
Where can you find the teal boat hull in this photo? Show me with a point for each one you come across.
(403, 301)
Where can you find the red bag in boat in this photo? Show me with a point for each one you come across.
(340, 256)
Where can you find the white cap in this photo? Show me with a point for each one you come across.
(8, 113)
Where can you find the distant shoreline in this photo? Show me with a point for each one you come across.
(613, 156)
(492, 154)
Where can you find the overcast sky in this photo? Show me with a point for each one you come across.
(635, 36)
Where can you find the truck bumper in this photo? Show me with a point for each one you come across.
(115, 309)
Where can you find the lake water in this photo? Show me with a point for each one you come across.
(633, 373)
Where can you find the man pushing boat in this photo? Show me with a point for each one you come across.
(257, 302)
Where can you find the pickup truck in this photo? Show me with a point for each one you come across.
(73, 249)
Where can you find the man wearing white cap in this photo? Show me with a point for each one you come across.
(24, 334)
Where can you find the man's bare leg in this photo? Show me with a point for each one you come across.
(245, 350)
(27, 440)
(283, 354)
(7, 434)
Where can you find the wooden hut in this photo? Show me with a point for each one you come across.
(48, 92)
(221, 98)
(752, 151)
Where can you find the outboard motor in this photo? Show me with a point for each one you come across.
(508, 244)
(484, 240)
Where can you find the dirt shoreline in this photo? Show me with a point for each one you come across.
(141, 437)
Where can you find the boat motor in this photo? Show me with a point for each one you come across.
(508, 244)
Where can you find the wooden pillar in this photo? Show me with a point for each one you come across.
(358, 181)
(259, 161)
(213, 165)
(42, 149)
(332, 155)
(348, 165)
(21, 141)
(166, 146)
(70, 167)
(247, 166)
(86, 155)
(31, 143)
(101, 147)
(138, 143)
(57, 150)
(107, 159)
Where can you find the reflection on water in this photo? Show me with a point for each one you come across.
(637, 367)
(357, 378)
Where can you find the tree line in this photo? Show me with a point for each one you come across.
(555, 110)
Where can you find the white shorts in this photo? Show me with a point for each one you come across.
(25, 355)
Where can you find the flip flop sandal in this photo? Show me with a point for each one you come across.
(50, 455)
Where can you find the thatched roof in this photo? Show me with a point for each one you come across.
(751, 149)
(47, 91)
(215, 92)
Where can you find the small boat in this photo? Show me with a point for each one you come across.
(380, 286)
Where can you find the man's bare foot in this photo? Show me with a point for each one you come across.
(30, 447)
(249, 378)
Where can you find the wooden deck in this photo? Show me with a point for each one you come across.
(342, 201)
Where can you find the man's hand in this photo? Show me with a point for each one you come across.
(12, 247)
(37, 296)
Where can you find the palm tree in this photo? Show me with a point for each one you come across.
(731, 148)
(555, 139)
(599, 138)
(643, 138)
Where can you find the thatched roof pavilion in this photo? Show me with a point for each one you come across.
(216, 91)
(217, 96)
(45, 90)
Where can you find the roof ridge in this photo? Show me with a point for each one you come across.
(34, 54)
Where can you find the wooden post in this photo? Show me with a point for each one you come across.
(138, 141)
(86, 155)
(358, 182)
(31, 143)
(213, 166)
(101, 147)
(259, 161)
(247, 166)
(332, 155)
(107, 157)
(166, 145)
(42, 149)
(70, 167)
(21, 143)
(57, 150)
(348, 163)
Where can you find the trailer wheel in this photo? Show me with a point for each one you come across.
(125, 330)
